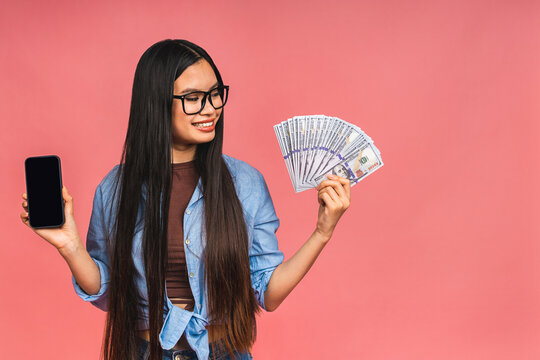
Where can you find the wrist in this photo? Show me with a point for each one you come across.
(323, 236)
(70, 249)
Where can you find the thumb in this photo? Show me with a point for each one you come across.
(68, 200)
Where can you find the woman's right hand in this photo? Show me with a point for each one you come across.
(65, 238)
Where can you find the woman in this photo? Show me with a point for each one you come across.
(181, 248)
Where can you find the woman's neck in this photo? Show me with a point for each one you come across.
(183, 153)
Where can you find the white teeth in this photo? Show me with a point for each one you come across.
(203, 124)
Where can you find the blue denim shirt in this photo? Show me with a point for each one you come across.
(264, 255)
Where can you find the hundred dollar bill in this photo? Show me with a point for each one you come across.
(355, 167)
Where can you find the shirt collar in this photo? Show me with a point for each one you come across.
(197, 193)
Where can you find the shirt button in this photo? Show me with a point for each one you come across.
(188, 212)
(191, 274)
(199, 306)
(188, 241)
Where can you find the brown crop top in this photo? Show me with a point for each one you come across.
(184, 179)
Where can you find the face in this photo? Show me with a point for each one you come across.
(340, 170)
(190, 130)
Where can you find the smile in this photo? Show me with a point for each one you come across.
(202, 125)
(206, 126)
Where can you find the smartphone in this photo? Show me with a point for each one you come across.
(44, 190)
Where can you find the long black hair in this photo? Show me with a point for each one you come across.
(146, 166)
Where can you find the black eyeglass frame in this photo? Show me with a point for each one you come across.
(205, 96)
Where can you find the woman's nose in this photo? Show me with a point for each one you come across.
(208, 108)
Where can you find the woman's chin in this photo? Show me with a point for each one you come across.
(204, 138)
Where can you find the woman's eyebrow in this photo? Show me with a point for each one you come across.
(191, 89)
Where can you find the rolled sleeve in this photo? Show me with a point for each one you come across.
(264, 254)
(96, 246)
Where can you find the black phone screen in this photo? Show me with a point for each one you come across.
(44, 189)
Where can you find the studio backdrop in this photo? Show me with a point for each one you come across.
(437, 257)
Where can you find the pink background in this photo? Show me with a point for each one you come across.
(438, 256)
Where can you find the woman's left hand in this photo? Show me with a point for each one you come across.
(334, 198)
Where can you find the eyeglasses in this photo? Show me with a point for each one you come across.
(193, 102)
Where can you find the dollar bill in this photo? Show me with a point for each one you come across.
(316, 145)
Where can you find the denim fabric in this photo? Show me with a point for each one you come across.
(220, 354)
(264, 255)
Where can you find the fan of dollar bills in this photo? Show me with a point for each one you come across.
(316, 145)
